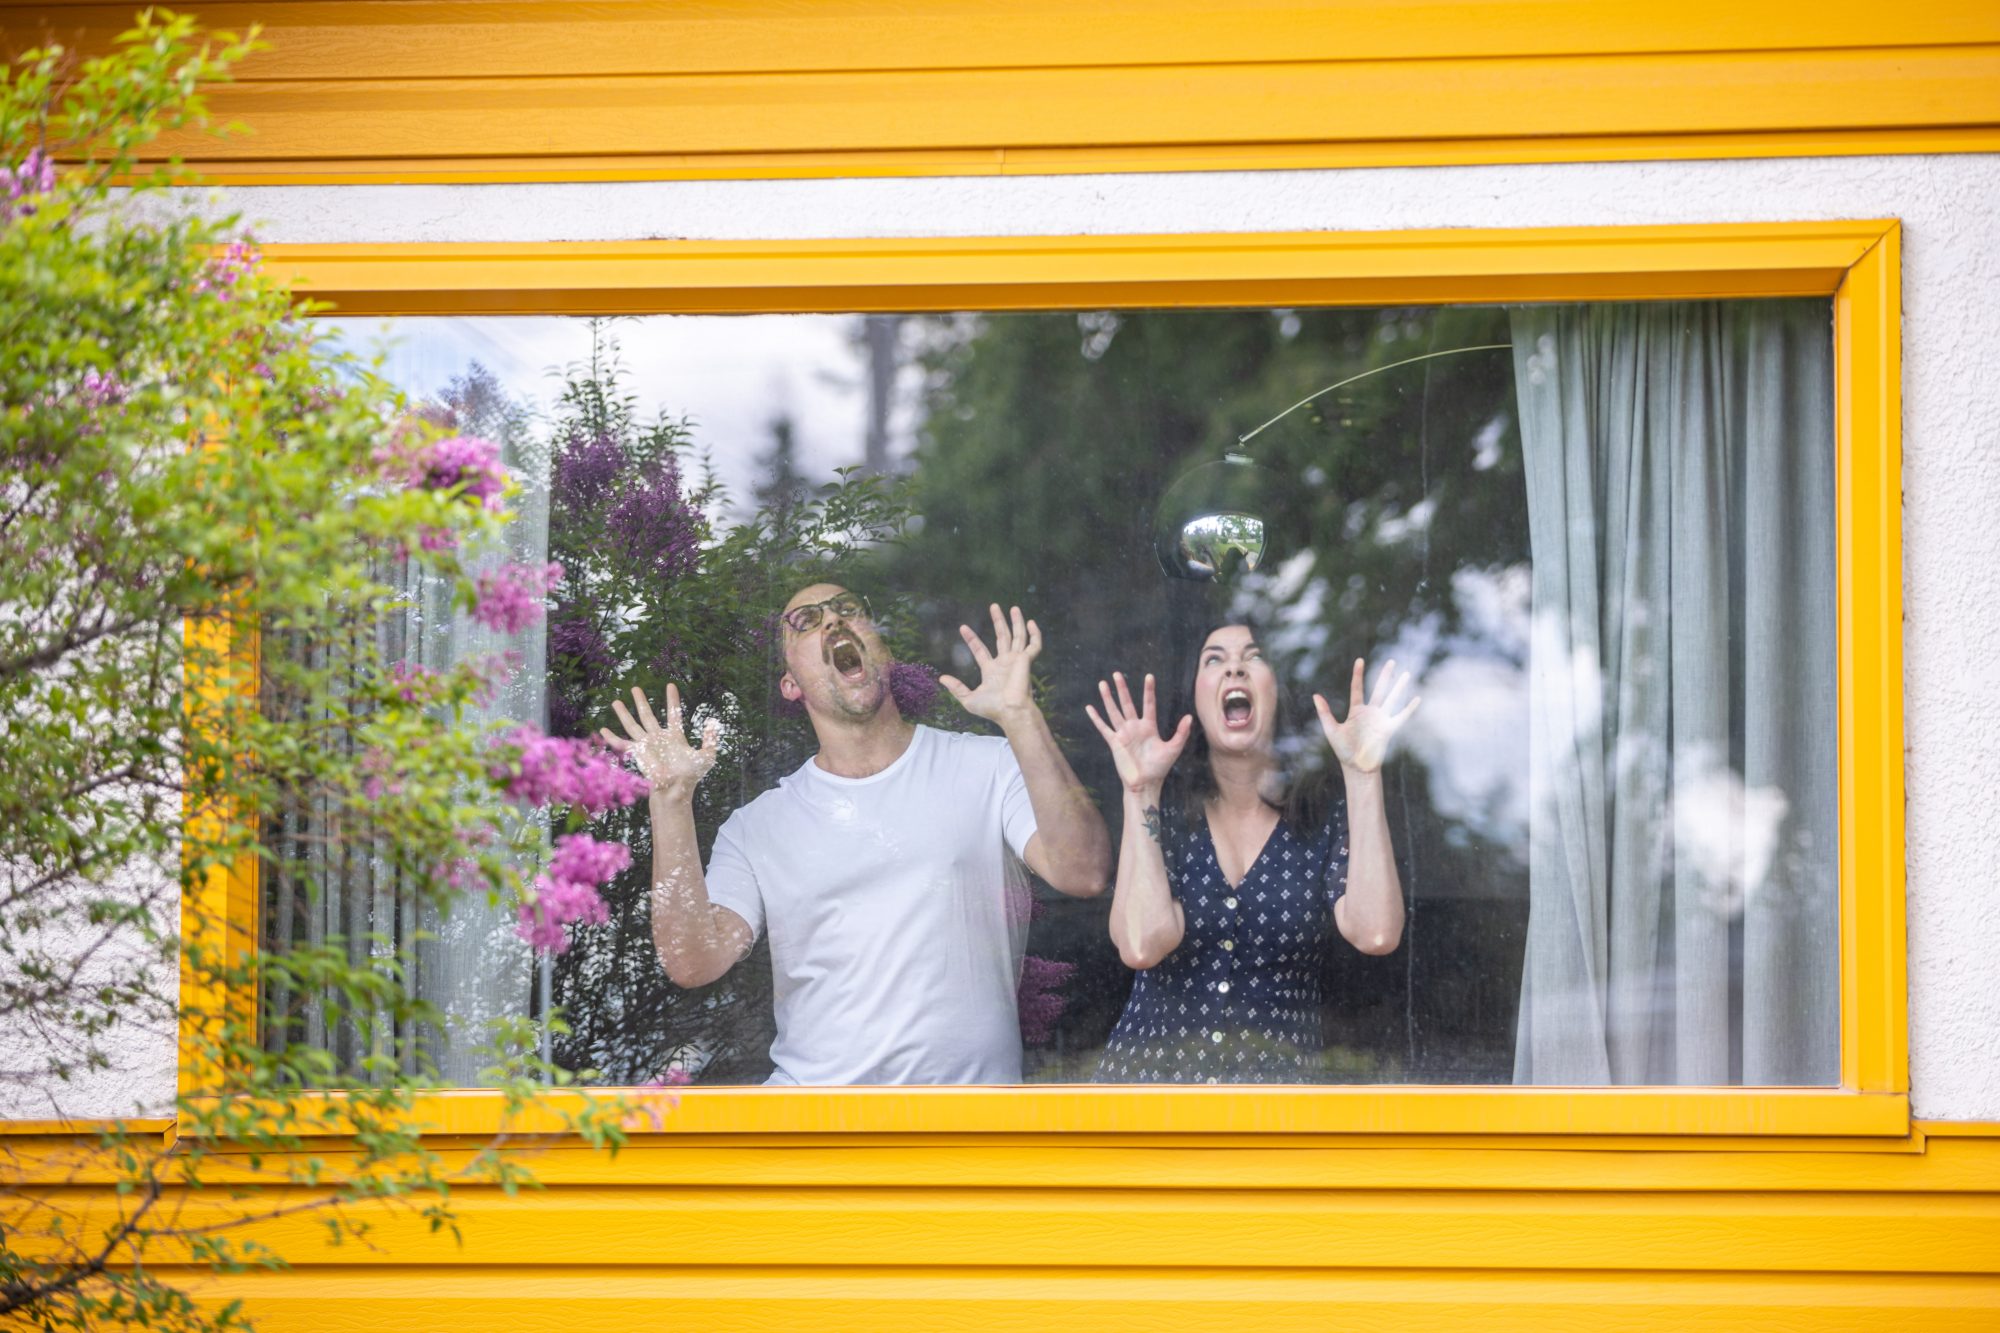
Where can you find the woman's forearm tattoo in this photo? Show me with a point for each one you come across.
(1151, 816)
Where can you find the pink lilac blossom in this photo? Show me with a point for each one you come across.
(98, 389)
(415, 683)
(19, 185)
(653, 1101)
(437, 539)
(466, 462)
(551, 770)
(462, 874)
(221, 274)
(1040, 997)
(509, 599)
(379, 766)
(567, 891)
(582, 859)
(94, 392)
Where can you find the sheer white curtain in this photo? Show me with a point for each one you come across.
(469, 963)
(1682, 758)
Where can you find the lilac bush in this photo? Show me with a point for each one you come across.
(659, 530)
(189, 470)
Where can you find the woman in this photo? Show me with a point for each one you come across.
(1224, 897)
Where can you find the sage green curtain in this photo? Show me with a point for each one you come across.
(1683, 829)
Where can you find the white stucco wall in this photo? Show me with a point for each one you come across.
(1950, 206)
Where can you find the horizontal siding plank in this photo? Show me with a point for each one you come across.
(909, 111)
(963, 1228)
(1951, 1167)
(314, 41)
(867, 1300)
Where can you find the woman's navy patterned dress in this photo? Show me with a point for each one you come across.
(1238, 1001)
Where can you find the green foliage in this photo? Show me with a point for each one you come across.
(183, 469)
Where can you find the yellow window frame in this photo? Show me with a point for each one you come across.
(1855, 263)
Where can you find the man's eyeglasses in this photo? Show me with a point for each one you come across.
(847, 606)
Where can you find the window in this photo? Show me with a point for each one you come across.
(1447, 510)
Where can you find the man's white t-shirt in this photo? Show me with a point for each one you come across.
(897, 915)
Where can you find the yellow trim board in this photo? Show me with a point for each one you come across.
(1868, 483)
(1438, 266)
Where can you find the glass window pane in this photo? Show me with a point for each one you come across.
(1597, 540)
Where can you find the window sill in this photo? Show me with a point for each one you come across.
(1703, 1113)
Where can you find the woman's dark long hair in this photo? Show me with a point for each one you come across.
(1304, 790)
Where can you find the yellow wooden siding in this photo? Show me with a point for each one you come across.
(895, 1233)
(471, 90)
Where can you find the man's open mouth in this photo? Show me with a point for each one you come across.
(1236, 708)
(843, 651)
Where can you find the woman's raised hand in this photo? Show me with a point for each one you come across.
(1362, 741)
(1143, 756)
(663, 754)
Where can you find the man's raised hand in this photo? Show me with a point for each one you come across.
(1143, 756)
(1006, 682)
(663, 754)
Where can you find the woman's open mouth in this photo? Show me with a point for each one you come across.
(1236, 708)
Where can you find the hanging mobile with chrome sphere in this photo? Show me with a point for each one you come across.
(1215, 520)
(1218, 519)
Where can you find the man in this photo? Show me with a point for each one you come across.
(880, 867)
